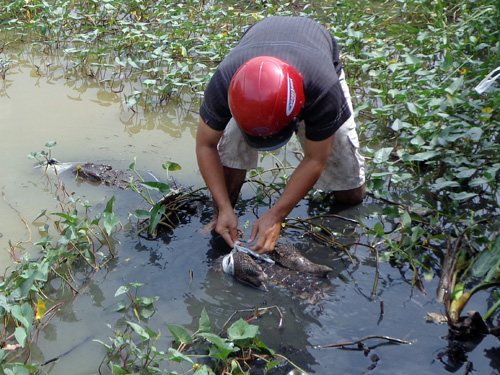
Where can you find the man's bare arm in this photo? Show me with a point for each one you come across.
(211, 169)
(302, 180)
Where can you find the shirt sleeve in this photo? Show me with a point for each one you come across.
(326, 112)
(215, 110)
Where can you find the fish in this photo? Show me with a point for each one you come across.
(244, 268)
(289, 256)
(291, 271)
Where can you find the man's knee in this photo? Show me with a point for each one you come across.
(353, 196)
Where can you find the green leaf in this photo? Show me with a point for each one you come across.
(115, 369)
(462, 196)
(21, 336)
(132, 165)
(413, 108)
(204, 322)
(147, 301)
(51, 144)
(180, 334)
(474, 134)
(143, 334)
(257, 343)
(412, 59)
(406, 219)
(110, 220)
(142, 214)
(146, 311)
(120, 61)
(241, 330)
(487, 265)
(70, 219)
(442, 183)
(398, 125)
(171, 166)
(464, 172)
(225, 346)
(42, 213)
(120, 306)
(457, 83)
(177, 356)
(204, 370)
(109, 205)
(272, 364)
(479, 181)
(157, 186)
(22, 288)
(156, 215)
(447, 62)
(125, 288)
(132, 63)
(422, 156)
(19, 369)
(24, 314)
(379, 228)
(122, 290)
(382, 155)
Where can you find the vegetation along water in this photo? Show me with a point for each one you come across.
(432, 141)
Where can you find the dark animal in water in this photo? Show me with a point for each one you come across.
(291, 271)
(103, 173)
(96, 173)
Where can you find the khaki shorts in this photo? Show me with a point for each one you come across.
(345, 166)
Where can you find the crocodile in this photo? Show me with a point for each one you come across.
(290, 271)
(96, 173)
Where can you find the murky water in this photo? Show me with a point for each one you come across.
(90, 124)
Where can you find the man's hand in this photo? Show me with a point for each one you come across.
(227, 226)
(268, 229)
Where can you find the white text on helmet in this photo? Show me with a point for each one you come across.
(290, 96)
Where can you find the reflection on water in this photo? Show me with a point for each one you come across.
(40, 102)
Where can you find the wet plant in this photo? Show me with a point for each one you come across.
(437, 148)
(141, 306)
(4, 67)
(79, 242)
(134, 349)
(164, 50)
(166, 211)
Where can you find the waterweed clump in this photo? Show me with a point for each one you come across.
(71, 242)
(163, 50)
(432, 139)
(231, 351)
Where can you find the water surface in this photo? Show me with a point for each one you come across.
(90, 123)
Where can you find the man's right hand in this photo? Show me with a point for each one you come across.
(227, 227)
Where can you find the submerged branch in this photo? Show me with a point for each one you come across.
(369, 337)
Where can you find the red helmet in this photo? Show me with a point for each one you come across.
(265, 96)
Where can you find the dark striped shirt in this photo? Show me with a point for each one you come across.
(308, 47)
